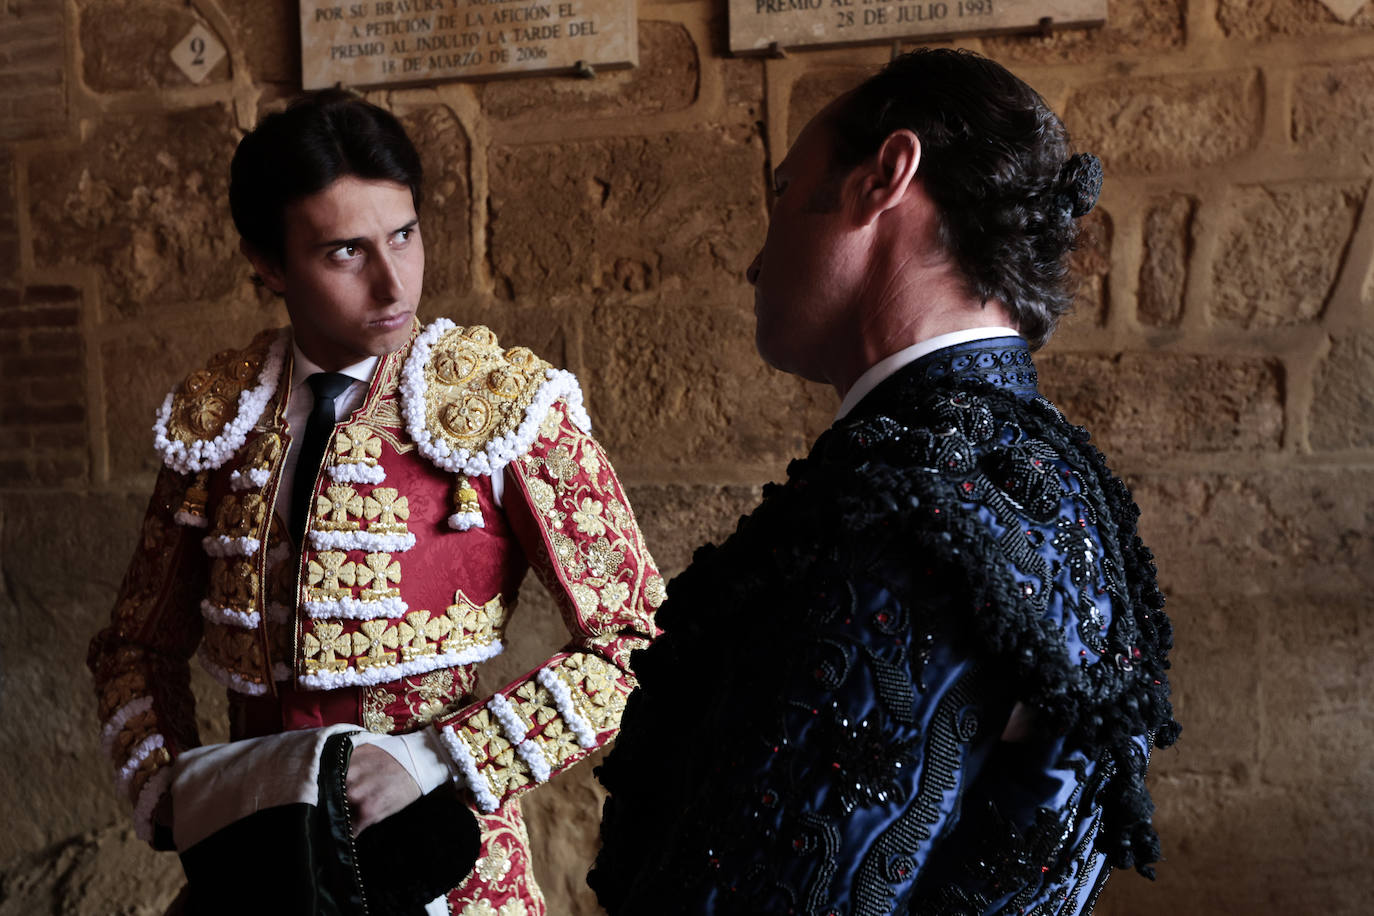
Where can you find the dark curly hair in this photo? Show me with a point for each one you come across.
(995, 160)
(318, 139)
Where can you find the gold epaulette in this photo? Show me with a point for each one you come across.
(473, 407)
(205, 419)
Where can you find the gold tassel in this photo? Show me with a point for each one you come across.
(467, 511)
(192, 511)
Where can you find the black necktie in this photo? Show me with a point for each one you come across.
(318, 428)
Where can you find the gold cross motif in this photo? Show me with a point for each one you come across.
(374, 638)
(358, 445)
(380, 571)
(327, 575)
(334, 508)
(417, 632)
(323, 645)
(386, 511)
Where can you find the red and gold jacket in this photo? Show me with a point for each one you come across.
(406, 578)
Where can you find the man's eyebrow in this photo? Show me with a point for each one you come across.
(358, 240)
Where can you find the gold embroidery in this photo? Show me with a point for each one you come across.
(431, 696)
(560, 464)
(323, 644)
(565, 548)
(234, 583)
(585, 598)
(196, 495)
(655, 593)
(375, 702)
(209, 398)
(240, 515)
(541, 494)
(381, 569)
(328, 573)
(474, 392)
(358, 445)
(558, 743)
(492, 866)
(513, 907)
(386, 511)
(418, 632)
(335, 506)
(473, 624)
(597, 692)
(262, 453)
(602, 559)
(613, 597)
(372, 640)
(535, 704)
(587, 518)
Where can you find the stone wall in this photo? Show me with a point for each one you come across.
(1222, 353)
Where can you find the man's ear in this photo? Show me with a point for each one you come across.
(268, 269)
(889, 175)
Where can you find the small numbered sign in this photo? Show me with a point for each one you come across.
(197, 53)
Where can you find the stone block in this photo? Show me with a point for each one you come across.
(678, 215)
(1158, 403)
(1280, 251)
(680, 388)
(1248, 534)
(1133, 27)
(1164, 269)
(445, 213)
(813, 91)
(564, 821)
(127, 44)
(98, 871)
(1316, 687)
(1272, 18)
(677, 518)
(145, 201)
(1215, 681)
(1333, 107)
(269, 35)
(1343, 405)
(667, 79)
(1163, 124)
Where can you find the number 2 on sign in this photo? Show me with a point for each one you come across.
(198, 49)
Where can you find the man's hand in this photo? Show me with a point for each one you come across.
(378, 786)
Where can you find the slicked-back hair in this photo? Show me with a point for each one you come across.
(317, 140)
(992, 159)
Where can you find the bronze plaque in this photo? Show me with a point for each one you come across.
(383, 42)
(758, 26)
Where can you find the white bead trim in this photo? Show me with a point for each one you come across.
(111, 729)
(357, 473)
(227, 616)
(462, 521)
(361, 540)
(354, 609)
(140, 753)
(148, 797)
(499, 451)
(462, 759)
(222, 545)
(516, 734)
(206, 454)
(562, 698)
(250, 479)
(381, 674)
(190, 519)
(235, 682)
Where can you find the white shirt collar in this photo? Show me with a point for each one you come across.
(888, 365)
(302, 367)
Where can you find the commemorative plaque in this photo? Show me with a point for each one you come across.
(383, 42)
(764, 26)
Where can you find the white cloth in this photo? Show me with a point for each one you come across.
(886, 367)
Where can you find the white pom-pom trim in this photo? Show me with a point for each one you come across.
(111, 729)
(136, 757)
(207, 454)
(357, 473)
(462, 521)
(190, 519)
(235, 682)
(227, 616)
(148, 797)
(381, 674)
(250, 479)
(222, 545)
(467, 767)
(362, 540)
(514, 729)
(354, 609)
(562, 698)
(499, 451)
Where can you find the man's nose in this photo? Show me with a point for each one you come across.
(386, 279)
(753, 272)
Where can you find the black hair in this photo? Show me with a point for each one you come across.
(294, 153)
(994, 159)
